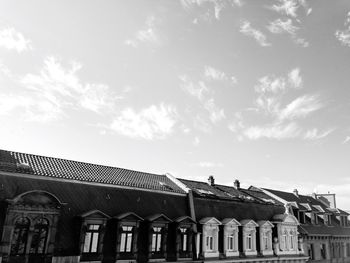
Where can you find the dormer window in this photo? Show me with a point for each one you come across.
(184, 237)
(231, 237)
(126, 239)
(157, 239)
(91, 239)
(249, 237)
(301, 217)
(265, 230)
(210, 241)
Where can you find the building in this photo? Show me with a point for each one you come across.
(324, 228)
(56, 210)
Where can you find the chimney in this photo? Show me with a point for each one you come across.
(211, 180)
(237, 184)
(295, 192)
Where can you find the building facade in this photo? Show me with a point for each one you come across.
(62, 211)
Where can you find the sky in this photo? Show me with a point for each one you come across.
(239, 89)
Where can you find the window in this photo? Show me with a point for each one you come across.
(91, 239)
(157, 239)
(285, 240)
(19, 237)
(310, 250)
(291, 240)
(323, 251)
(230, 242)
(301, 217)
(39, 238)
(184, 239)
(126, 239)
(348, 249)
(209, 243)
(265, 241)
(249, 241)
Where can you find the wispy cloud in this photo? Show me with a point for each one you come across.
(280, 26)
(54, 90)
(248, 30)
(212, 73)
(283, 119)
(14, 40)
(273, 131)
(154, 122)
(346, 140)
(315, 134)
(290, 7)
(149, 34)
(344, 35)
(203, 94)
(213, 7)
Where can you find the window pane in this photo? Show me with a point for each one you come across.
(159, 242)
(128, 242)
(154, 240)
(94, 242)
(87, 242)
(122, 242)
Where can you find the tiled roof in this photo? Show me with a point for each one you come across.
(321, 230)
(72, 170)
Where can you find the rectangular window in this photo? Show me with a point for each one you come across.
(126, 239)
(157, 239)
(230, 242)
(301, 217)
(311, 251)
(265, 241)
(209, 243)
(184, 239)
(323, 251)
(348, 249)
(249, 240)
(291, 239)
(285, 241)
(91, 239)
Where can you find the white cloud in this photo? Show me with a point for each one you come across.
(295, 79)
(315, 134)
(279, 26)
(290, 7)
(149, 34)
(214, 74)
(54, 90)
(209, 164)
(216, 6)
(282, 118)
(215, 114)
(346, 140)
(154, 122)
(196, 141)
(248, 30)
(300, 108)
(344, 35)
(14, 40)
(275, 131)
(201, 92)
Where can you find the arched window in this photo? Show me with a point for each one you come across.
(20, 236)
(41, 229)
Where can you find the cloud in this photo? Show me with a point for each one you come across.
(196, 141)
(282, 119)
(154, 122)
(248, 30)
(209, 165)
(344, 35)
(301, 107)
(216, 114)
(48, 94)
(274, 131)
(213, 7)
(315, 134)
(14, 40)
(149, 34)
(346, 140)
(202, 93)
(214, 74)
(290, 7)
(280, 26)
